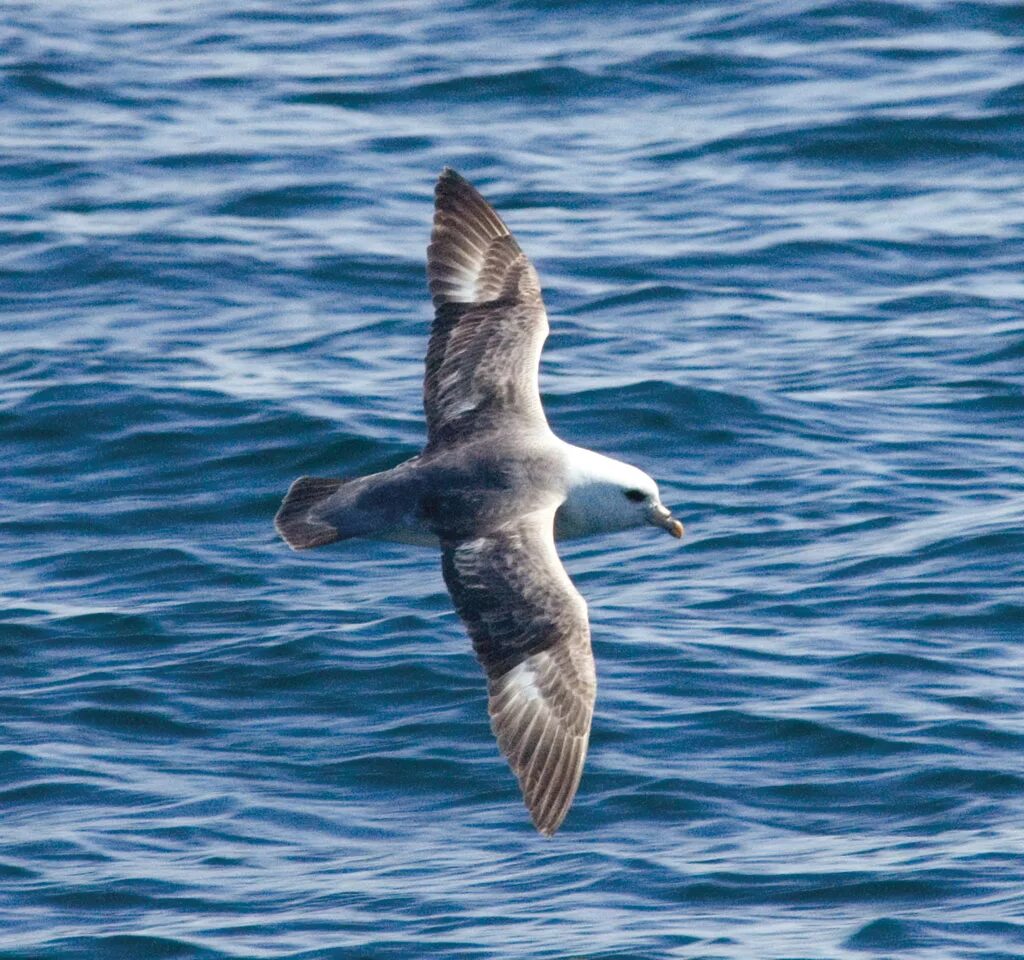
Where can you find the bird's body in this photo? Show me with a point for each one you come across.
(493, 489)
(469, 488)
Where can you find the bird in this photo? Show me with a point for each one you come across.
(493, 489)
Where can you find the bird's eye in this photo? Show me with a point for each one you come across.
(637, 496)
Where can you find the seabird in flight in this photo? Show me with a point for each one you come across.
(494, 488)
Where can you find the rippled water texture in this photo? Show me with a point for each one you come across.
(782, 250)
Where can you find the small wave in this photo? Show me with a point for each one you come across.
(202, 159)
(145, 724)
(657, 407)
(128, 946)
(287, 200)
(882, 141)
(552, 84)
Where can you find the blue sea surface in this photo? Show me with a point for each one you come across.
(782, 248)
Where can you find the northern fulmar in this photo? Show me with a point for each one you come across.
(494, 488)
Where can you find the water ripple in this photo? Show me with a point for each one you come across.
(780, 252)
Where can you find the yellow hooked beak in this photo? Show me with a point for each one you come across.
(661, 516)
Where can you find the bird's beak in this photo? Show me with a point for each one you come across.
(661, 516)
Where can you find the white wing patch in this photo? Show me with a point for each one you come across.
(521, 680)
(489, 324)
(529, 629)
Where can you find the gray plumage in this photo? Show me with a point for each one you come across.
(530, 631)
(489, 322)
(493, 488)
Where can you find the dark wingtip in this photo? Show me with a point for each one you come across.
(465, 227)
(455, 192)
(548, 821)
(547, 830)
(448, 179)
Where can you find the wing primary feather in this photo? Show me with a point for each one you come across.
(530, 632)
(489, 321)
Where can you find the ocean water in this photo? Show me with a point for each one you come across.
(781, 247)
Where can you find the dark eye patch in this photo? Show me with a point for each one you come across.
(637, 496)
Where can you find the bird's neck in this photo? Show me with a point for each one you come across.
(593, 484)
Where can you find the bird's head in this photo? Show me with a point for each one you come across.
(606, 495)
(645, 506)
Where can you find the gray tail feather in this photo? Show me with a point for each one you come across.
(294, 522)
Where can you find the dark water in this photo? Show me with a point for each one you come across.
(782, 250)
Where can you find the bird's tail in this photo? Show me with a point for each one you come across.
(297, 519)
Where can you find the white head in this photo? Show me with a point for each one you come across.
(605, 495)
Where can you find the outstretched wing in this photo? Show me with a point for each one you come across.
(489, 321)
(530, 631)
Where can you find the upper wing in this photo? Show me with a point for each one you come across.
(530, 631)
(489, 321)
